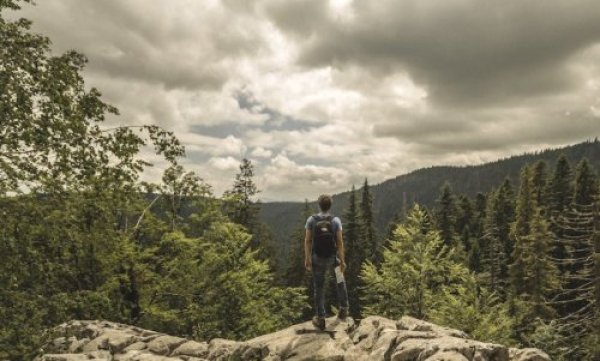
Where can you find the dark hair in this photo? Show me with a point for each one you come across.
(325, 202)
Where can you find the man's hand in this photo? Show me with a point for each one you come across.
(343, 266)
(308, 264)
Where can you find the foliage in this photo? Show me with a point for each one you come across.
(416, 267)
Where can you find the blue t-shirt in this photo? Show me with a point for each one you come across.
(336, 223)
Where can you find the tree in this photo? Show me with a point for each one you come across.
(474, 253)
(179, 186)
(420, 277)
(209, 287)
(295, 273)
(51, 130)
(415, 267)
(560, 195)
(355, 253)
(495, 243)
(533, 275)
(539, 184)
(445, 215)
(577, 232)
(369, 238)
(239, 204)
(493, 252)
(68, 189)
(560, 186)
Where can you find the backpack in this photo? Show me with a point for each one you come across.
(323, 237)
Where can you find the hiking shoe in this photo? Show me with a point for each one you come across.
(342, 313)
(319, 322)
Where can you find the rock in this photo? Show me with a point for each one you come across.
(164, 345)
(374, 338)
(528, 354)
(192, 348)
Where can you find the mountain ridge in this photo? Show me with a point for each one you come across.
(422, 186)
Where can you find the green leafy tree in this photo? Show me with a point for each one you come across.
(211, 287)
(178, 187)
(51, 130)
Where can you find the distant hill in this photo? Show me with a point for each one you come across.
(423, 186)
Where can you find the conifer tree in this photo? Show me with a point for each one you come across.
(539, 184)
(355, 253)
(240, 207)
(506, 215)
(368, 236)
(295, 273)
(475, 255)
(445, 215)
(526, 208)
(533, 275)
(495, 243)
(411, 272)
(560, 186)
(493, 253)
(560, 195)
(578, 233)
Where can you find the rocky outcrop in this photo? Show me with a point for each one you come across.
(374, 338)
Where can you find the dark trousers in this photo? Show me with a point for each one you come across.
(320, 269)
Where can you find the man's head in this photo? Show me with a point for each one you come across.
(325, 202)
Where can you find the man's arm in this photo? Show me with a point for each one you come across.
(340, 247)
(307, 249)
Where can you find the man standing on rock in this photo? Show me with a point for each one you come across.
(323, 251)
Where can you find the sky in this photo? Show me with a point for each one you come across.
(320, 95)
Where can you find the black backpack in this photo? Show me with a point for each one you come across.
(323, 236)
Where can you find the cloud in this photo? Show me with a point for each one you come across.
(321, 94)
(224, 163)
(282, 173)
(459, 50)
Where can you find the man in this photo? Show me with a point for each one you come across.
(323, 251)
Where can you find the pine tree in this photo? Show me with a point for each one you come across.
(479, 216)
(411, 271)
(560, 195)
(526, 208)
(539, 184)
(506, 215)
(368, 236)
(578, 233)
(495, 243)
(295, 274)
(445, 215)
(240, 207)
(560, 186)
(492, 249)
(355, 254)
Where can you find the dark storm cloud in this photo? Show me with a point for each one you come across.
(462, 51)
(151, 44)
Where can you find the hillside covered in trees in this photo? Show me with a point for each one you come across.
(423, 185)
